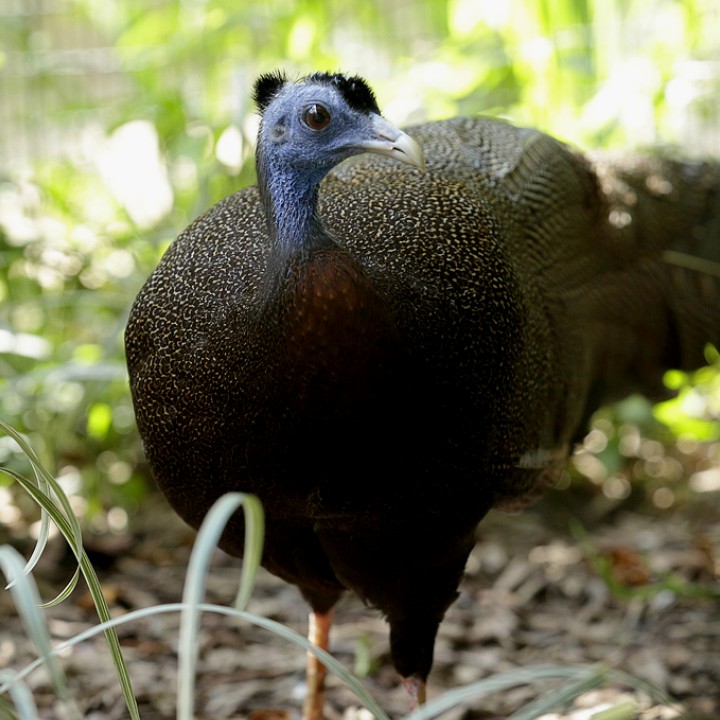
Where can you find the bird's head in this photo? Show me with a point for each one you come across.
(311, 125)
(307, 128)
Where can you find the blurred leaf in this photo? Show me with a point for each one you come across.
(99, 420)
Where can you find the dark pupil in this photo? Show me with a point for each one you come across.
(317, 117)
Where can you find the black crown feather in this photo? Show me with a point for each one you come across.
(267, 86)
(355, 91)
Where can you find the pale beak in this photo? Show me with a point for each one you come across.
(393, 143)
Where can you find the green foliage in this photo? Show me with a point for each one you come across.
(147, 121)
(693, 412)
(70, 264)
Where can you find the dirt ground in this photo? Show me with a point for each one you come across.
(533, 594)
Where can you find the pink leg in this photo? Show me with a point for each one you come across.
(318, 634)
(416, 691)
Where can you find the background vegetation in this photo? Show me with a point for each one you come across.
(121, 121)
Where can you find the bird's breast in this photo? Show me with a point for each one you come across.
(333, 319)
(333, 406)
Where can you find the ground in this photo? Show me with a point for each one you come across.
(535, 593)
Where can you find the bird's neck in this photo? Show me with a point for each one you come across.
(290, 200)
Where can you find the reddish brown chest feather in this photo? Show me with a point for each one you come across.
(334, 318)
(336, 384)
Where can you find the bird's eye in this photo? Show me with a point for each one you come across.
(316, 117)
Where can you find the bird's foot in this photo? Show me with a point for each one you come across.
(415, 688)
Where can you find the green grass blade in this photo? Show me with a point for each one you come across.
(496, 683)
(69, 527)
(111, 637)
(254, 539)
(21, 697)
(194, 590)
(47, 483)
(27, 602)
(44, 533)
(331, 663)
(51, 511)
(94, 588)
(65, 593)
(562, 696)
(622, 711)
(652, 691)
(583, 677)
(291, 636)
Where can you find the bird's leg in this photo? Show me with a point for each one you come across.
(416, 691)
(318, 634)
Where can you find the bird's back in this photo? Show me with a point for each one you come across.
(610, 263)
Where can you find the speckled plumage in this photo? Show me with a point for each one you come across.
(381, 396)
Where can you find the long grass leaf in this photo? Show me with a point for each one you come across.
(446, 702)
(353, 684)
(652, 691)
(111, 637)
(49, 509)
(22, 699)
(44, 533)
(46, 480)
(254, 540)
(495, 683)
(27, 602)
(561, 697)
(65, 526)
(194, 590)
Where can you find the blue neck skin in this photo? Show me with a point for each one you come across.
(290, 199)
